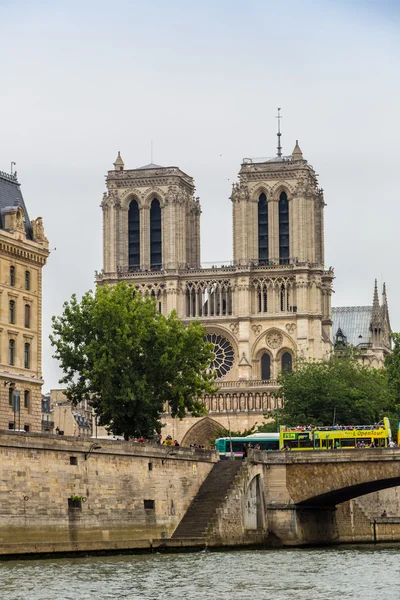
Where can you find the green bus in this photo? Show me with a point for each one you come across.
(265, 441)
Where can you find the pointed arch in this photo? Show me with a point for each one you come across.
(265, 366)
(262, 228)
(202, 432)
(283, 216)
(155, 234)
(134, 235)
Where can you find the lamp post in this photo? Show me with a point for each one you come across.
(93, 447)
(16, 401)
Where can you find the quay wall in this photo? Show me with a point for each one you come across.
(127, 491)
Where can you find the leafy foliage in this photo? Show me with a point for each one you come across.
(119, 352)
(340, 389)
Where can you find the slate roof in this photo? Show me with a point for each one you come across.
(151, 166)
(354, 321)
(10, 195)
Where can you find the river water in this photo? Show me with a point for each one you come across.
(362, 572)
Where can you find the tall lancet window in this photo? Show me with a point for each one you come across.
(155, 235)
(134, 235)
(283, 229)
(262, 229)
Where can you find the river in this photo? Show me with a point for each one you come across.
(346, 572)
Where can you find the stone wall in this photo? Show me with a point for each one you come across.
(124, 491)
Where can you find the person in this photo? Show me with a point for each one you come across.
(244, 451)
(384, 514)
(176, 443)
(372, 444)
(391, 444)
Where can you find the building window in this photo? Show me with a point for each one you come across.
(27, 353)
(263, 301)
(286, 362)
(12, 311)
(265, 367)
(134, 235)
(11, 396)
(12, 275)
(73, 460)
(283, 212)
(11, 425)
(27, 280)
(285, 298)
(27, 315)
(11, 352)
(26, 398)
(155, 235)
(149, 504)
(262, 229)
(27, 428)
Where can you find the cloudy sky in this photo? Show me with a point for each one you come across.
(81, 80)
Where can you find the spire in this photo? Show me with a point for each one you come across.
(384, 298)
(279, 148)
(297, 153)
(375, 303)
(119, 163)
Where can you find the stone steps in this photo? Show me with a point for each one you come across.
(208, 499)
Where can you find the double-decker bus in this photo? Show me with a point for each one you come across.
(335, 437)
(265, 441)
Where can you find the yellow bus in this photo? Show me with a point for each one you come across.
(335, 437)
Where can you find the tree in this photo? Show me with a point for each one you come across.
(392, 364)
(120, 353)
(340, 389)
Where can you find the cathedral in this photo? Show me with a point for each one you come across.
(268, 307)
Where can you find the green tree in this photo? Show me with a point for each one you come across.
(120, 353)
(340, 389)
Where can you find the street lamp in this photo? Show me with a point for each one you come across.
(16, 401)
(91, 449)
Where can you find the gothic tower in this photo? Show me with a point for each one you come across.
(151, 220)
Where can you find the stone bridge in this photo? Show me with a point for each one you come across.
(291, 497)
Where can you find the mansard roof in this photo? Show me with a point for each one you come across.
(354, 322)
(11, 197)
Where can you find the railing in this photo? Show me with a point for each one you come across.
(10, 176)
(227, 266)
(248, 383)
(47, 424)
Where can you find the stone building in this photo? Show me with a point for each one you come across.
(366, 328)
(269, 306)
(23, 253)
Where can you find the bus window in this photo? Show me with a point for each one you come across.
(348, 442)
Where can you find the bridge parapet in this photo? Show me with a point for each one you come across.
(325, 456)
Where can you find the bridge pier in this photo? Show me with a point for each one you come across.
(302, 525)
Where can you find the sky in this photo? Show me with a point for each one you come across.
(80, 81)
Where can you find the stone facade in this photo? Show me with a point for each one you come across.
(23, 253)
(271, 305)
(54, 499)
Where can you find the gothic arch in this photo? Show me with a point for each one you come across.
(280, 187)
(203, 431)
(154, 193)
(258, 190)
(127, 198)
(280, 355)
(260, 344)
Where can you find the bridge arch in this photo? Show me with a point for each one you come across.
(338, 496)
(202, 432)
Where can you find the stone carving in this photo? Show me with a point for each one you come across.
(257, 329)
(38, 230)
(234, 327)
(290, 327)
(274, 340)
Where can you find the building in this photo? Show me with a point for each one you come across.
(23, 253)
(269, 306)
(366, 328)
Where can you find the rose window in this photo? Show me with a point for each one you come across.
(224, 355)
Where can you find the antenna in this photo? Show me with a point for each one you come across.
(13, 164)
(279, 153)
(151, 152)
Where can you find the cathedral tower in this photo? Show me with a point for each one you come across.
(151, 219)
